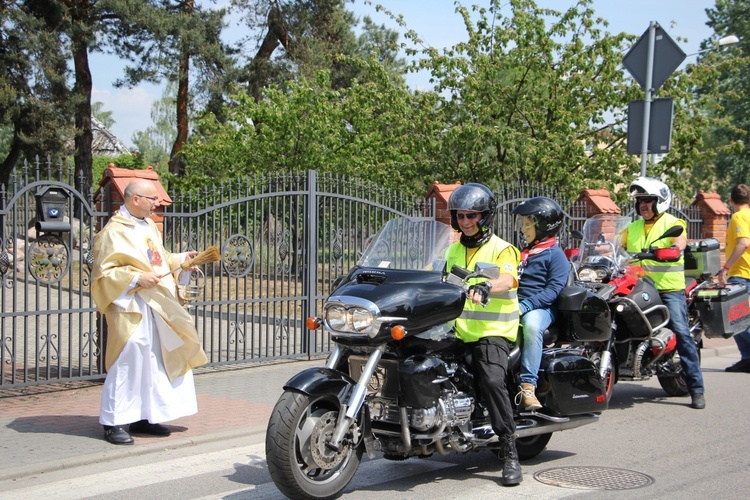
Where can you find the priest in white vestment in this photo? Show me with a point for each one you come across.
(152, 343)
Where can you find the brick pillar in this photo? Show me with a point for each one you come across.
(715, 217)
(441, 193)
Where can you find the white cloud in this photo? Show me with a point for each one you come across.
(131, 108)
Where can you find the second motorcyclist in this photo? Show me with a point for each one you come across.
(542, 275)
(652, 199)
(488, 329)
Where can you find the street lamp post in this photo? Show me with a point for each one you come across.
(723, 42)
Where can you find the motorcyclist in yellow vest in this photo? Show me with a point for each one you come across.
(652, 200)
(488, 330)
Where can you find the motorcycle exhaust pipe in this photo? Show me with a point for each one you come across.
(405, 435)
(546, 427)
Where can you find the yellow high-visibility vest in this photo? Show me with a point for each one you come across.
(501, 316)
(666, 275)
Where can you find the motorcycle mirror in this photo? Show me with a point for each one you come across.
(575, 233)
(487, 270)
(672, 232)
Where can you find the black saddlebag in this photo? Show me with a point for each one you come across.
(574, 384)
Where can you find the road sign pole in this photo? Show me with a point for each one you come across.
(647, 100)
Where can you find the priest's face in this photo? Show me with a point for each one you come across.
(145, 201)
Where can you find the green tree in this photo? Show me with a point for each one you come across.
(375, 129)
(35, 105)
(300, 38)
(153, 144)
(725, 97)
(531, 95)
(164, 40)
(105, 117)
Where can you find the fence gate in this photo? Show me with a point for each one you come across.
(48, 322)
(283, 239)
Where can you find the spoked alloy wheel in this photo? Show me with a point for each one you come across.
(300, 463)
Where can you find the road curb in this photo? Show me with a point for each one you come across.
(118, 452)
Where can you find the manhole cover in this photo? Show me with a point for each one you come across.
(593, 478)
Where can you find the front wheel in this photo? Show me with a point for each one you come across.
(674, 383)
(299, 461)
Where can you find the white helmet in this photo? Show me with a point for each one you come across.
(648, 186)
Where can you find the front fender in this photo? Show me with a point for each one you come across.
(317, 382)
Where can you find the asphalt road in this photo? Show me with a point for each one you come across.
(646, 445)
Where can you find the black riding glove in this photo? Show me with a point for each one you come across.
(483, 289)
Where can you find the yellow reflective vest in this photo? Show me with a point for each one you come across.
(501, 316)
(666, 275)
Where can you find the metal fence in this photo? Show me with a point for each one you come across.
(49, 329)
(283, 239)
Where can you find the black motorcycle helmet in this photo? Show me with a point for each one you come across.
(474, 197)
(546, 214)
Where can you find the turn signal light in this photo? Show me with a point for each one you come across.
(312, 323)
(398, 332)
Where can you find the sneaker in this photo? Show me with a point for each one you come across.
(697, 401)
(742, 365)
(528, 400)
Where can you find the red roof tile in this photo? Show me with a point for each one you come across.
(600, 199)
(121, 177)
(712, 201)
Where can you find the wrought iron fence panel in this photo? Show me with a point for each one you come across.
(283, 239)
(49, 329)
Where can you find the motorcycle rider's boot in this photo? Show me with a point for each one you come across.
(529, 402)
(697, 401)
(742, 365)
(511, 467)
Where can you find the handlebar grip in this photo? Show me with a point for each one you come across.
(460, 272)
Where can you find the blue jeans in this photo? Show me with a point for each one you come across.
(691, 365)
(742, 339)
(534, 323)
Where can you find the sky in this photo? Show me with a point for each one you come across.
(438, 25)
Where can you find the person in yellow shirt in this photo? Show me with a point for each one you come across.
(652, 200)
(488, 328)
(737, 267)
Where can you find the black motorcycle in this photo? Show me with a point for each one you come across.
(398, 381)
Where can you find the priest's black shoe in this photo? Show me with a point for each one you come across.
(145, 427)
(116, 434)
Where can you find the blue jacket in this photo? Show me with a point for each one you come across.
(542, 279)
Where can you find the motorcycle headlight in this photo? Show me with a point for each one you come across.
(352, 315)
(336, 317)
(360, 319)
(587, 274)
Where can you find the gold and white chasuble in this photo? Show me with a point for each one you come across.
(152, 343)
